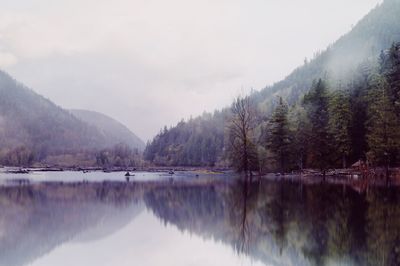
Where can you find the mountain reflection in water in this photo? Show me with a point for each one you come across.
(206, 223)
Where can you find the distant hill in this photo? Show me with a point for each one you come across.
(30, 120)
(110, 128)
(33, 129)
(338, 63)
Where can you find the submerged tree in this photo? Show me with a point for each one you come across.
(278, 136)
(242, 148)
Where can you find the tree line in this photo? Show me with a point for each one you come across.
(119, 155)
(203, 141)
(331, 126)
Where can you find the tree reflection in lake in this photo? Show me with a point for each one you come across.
(284, 223)
(276, 222)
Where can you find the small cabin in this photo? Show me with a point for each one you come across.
(359, 165)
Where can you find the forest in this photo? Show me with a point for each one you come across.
(35, 131)
(345, 82)
(333, 125)
(337, 108)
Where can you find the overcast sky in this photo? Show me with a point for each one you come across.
(149, 63)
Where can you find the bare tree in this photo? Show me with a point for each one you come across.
(242, 149)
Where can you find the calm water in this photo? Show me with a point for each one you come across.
(193, 221)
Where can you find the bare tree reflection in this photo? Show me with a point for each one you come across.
(244, 197)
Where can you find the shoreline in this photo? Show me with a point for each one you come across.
(348, 177)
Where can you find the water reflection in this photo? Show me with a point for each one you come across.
(266, 222)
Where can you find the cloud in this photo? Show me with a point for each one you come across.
(7, 59)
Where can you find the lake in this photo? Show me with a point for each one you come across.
(71, 218)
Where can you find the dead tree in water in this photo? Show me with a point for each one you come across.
(242, 149)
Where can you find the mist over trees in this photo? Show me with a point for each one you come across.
(121, 155)
(332, 117)
(334, 124)
(341, 106)
(33, 129)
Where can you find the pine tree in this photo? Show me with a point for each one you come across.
(339, 123)
(383, 125)
(278, 137)
(359, 117)
(317, 103)
(390, 69)
(300, 131)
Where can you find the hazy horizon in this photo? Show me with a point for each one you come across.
(152, 63)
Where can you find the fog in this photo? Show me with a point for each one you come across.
(150, 63)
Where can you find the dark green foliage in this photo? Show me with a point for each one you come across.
(359, 117)
(316, 103)
(375, 32)
(330, 128)
(288, 223)
(347, 61)
(383, 125)
(301, 131)
(340, 123)
(390, 69)
(197, 142)
(278, 137)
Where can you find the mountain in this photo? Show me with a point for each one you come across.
(110, 128)
(197, 142)
(34, 122)
(34, 129)
(339, 64)
(377, 31)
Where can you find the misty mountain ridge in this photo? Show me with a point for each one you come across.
(375, 32)
(338, 64)
(110, 128)
(32, 127)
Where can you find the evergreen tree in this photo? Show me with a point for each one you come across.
(390, 68)
(300, 131)
(383, 125)
(317, 103)
(278, 137)
(339, 123)
(359, 117)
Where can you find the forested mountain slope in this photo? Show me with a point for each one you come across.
(373, 33)
(110, 128)
(339, 64)
(197, 142)
(32, 128)
(34, 124)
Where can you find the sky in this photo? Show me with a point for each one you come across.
(150, 63)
